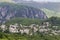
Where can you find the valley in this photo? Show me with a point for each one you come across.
(29, 20)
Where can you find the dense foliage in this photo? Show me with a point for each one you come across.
(6, 36)
(24, 21)
(55, 21)
(27, 21)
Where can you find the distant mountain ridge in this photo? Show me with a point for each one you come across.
(10, 10)
(55, 6)
(50, 6)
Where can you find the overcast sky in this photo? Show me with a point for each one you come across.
(46, 0)
(37, 0)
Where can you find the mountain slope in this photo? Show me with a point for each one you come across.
(50, 6)
(6, 1)
(9, 10)
(55, 6)
(51, 13)
(24, 21)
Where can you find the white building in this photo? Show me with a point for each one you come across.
(46, 24)
(26, 31)
(3, 27)
(13, 28)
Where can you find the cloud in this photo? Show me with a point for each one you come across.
(41, 0)
(47, 0)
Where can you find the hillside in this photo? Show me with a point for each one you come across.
(6, 1)
(51, 13)
(49, 5)
(55, 6)
(4, 36)
(24, 21)
(11, 10)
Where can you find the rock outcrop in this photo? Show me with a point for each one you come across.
(8, 11)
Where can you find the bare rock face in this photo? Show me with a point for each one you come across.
(8, 11)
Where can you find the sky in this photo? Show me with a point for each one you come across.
(36, 0)
(46, 0)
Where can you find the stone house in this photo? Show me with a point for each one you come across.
(3, 27)
(25, 30)
(47, 24)
(34, 28)
(14, 28)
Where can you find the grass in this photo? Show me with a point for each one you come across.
(4, 38)
(51, 13)
(7, 36)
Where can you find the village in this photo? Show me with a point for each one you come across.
(32, 29)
